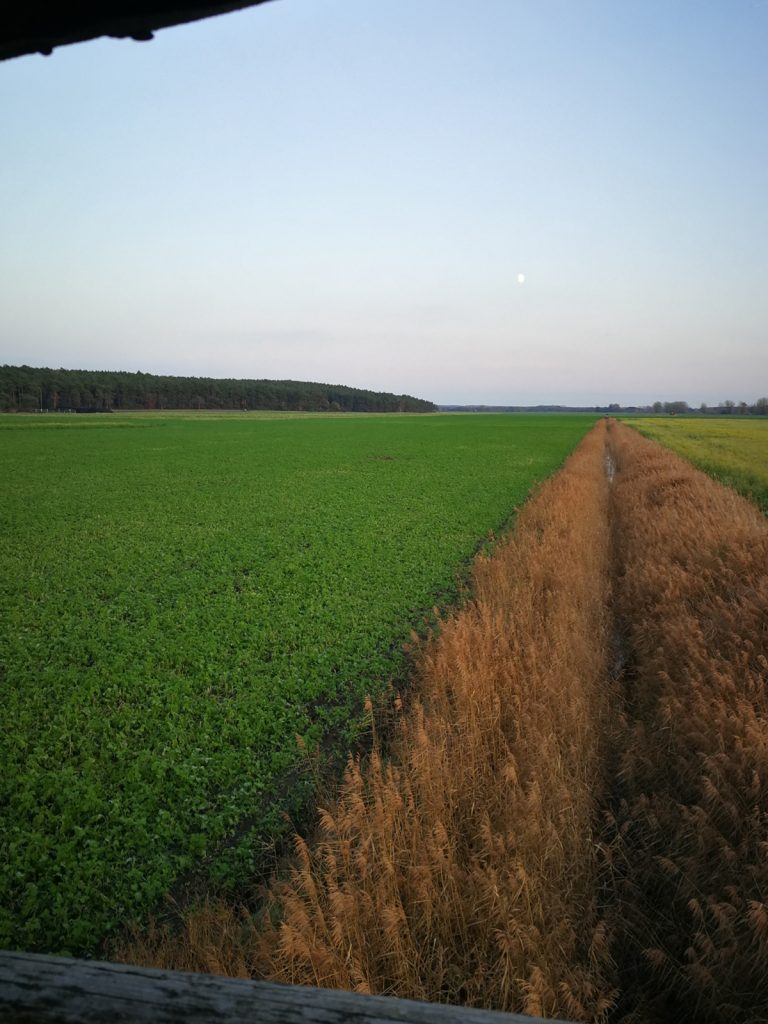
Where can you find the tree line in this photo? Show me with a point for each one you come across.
(31, 389)
(727, 408)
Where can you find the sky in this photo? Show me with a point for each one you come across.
(348, 191)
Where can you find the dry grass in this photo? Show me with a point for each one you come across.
(464, 868)
(691, 821)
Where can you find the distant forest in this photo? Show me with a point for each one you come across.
(727, 408)
(31, 389)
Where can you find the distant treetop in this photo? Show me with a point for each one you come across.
(29, 389)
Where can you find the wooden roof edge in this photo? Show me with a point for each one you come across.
(39, 28)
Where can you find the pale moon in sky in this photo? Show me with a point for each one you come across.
(521, 278)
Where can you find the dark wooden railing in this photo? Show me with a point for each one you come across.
(38, 989)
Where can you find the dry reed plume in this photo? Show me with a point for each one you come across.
(464, 868)
(691, 820)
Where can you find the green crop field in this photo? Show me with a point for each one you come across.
(181, 597)
(733, 451)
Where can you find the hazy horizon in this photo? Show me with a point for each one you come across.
(347, 193)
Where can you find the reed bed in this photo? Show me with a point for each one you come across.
(690, 814)
(464, 866)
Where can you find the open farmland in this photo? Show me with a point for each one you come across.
(733, 451)
(570, 818)
(181, 597)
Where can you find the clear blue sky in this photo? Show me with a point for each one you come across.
(347, 190)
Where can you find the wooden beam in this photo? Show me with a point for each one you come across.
(37, 989)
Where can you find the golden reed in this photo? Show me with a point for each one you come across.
(690, 818)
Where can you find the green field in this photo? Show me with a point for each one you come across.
(181, 596)
(733, 451)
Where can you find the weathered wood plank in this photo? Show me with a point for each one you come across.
(38, 989)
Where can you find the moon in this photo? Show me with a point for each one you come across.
(521, 278)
